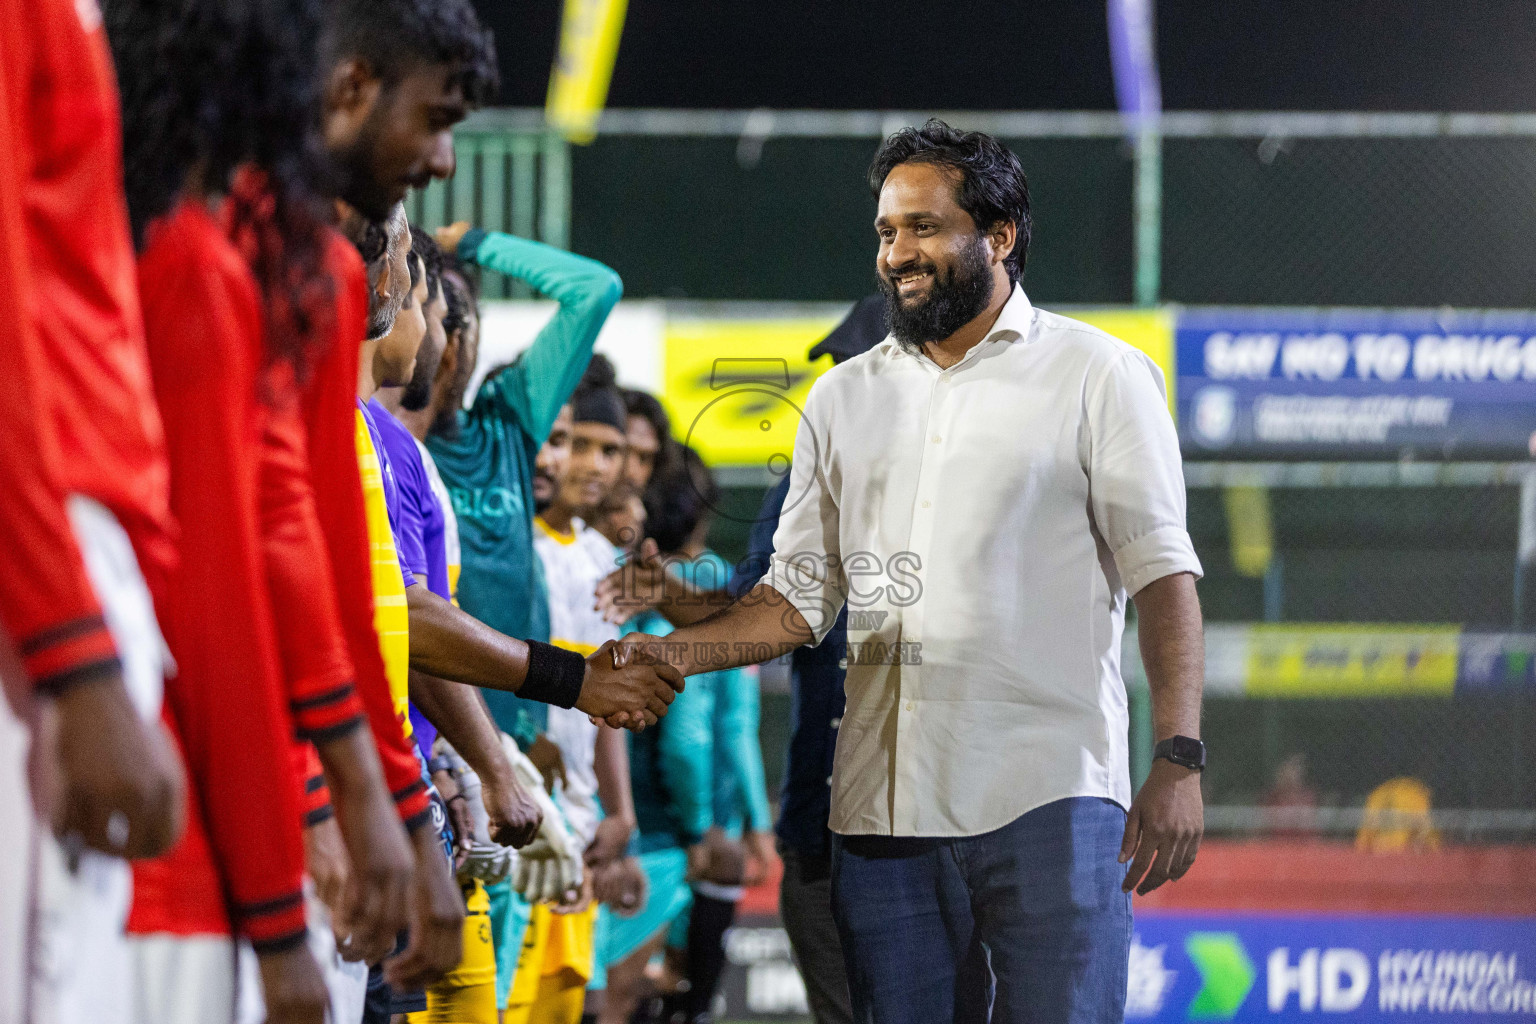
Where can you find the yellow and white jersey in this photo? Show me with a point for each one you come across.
(574, 564)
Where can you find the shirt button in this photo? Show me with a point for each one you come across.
(926, 504)
(937, 439)
(911, 706)
(829, 780)
(842, 663)
(836, 722)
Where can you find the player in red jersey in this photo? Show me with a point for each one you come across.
(79, 433)
(219, 103)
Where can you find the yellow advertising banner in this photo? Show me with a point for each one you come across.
(1344, 660)
(735, 387)
(578, 86)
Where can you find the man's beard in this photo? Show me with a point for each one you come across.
(953, 300)
(353, 176)
(540, 505)
(418, 393)
(381, 318)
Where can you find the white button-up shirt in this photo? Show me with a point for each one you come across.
(984, 524)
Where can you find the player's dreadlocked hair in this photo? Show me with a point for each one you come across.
(224, 95)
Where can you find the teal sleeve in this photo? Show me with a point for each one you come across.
(685, 747)
(739, 784)
(537, 384)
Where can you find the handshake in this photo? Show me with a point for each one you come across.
(628, 685)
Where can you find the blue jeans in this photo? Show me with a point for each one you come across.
(1039, 898)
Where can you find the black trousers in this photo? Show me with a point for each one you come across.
(805, 902)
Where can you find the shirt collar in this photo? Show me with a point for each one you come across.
(1013, 324)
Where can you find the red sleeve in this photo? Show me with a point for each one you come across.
(84, 292)
(315, 796)
(316, 663)
(329, 414)
(47, 603)
(204, 320)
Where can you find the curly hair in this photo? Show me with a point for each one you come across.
(649, 408)
(991, 186)
(679, 500)
(396, 36)
(224, 95)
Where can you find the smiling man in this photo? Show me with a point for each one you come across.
(1027, 466)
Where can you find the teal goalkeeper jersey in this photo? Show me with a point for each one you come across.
(488, 465)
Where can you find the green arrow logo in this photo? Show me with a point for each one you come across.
(1226, 974)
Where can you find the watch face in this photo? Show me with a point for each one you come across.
(1187, 750)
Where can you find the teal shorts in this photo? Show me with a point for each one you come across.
(668, 897)
(509, 920)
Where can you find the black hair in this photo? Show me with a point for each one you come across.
(599, 374)
(597, 398)
(458, 303)
(677, 501)
(370, 237)
(396, 36)
(230, 88)
(649, 408)
(468, 273)
(992, 186)
(425, 247)
(413, 267)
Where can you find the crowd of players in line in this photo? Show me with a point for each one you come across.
(305, 637)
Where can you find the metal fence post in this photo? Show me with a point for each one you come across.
(1525, 551)
(555, 209)
(1149, 213)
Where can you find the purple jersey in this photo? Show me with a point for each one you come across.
(419, 533)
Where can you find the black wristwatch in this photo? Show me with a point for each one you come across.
(1182, 751)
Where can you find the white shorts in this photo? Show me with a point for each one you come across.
(346, 983)
(18, 839)
(182, 979)
(81, 971)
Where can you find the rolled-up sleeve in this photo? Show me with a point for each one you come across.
(1136, 476)
(807, 565)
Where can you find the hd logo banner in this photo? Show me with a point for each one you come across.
(1272, 968)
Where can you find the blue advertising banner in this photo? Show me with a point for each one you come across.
(1283, 968)
(1351, 383)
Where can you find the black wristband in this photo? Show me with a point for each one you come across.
(554, 675)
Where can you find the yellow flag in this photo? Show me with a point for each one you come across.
(578, 86)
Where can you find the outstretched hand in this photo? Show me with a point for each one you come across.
(627, 693)
(635, 587)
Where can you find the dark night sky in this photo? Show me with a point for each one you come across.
(1043, 54)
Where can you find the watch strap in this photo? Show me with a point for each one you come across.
(1182, 751)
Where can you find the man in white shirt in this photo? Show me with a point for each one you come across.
(985, 490)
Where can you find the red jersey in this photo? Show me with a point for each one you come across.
(83, 293)
(316, 662)
(226, 703)
(77, 415)
(330, 403)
